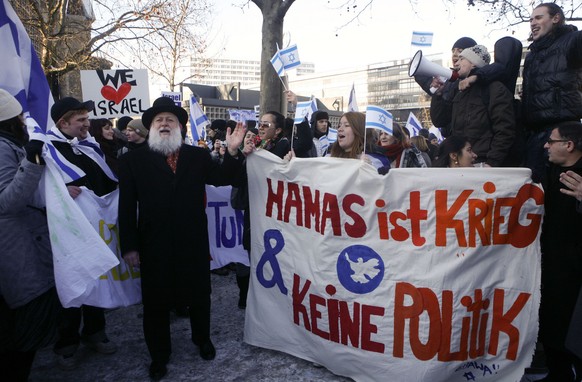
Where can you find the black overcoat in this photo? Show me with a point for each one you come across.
(162, 215)
(561, 244)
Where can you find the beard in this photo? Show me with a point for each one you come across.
(165, 145)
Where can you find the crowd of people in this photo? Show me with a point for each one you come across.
(155, 171)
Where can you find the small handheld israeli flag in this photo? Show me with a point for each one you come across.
(304, 110)
(290, 57)
(285, 59)
(353, 103)
(198, 120)
(378, 118)
(413, 125)
(422, 38)
(277, 63)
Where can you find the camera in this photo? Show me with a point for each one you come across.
(223, 143)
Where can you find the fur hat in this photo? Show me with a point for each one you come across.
(477, 55)
(464, 43)
(318, 115)
(218, 124)
(9, 106)
(138, 127)
(64, 105)
(122, 122)
(164, 105)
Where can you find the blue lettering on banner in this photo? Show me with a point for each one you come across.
(220, 224)
(269, 257)
(360, 269)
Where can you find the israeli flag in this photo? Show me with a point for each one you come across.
(332, 135)
(353, 104)
(422, 38)
(198, 120)
(20, 71)
(413, 125)
(290, 57)
(278, 64)
(378, 118)
(304, 110)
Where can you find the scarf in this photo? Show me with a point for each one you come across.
(394, 153)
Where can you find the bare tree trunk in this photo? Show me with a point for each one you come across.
(272, 34)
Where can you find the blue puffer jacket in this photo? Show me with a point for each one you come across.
(552, 79)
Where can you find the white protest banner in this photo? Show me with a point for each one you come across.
(422, 274)
(121, 285)
(116, 93)
(225, 229)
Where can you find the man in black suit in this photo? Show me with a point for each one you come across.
(163, 225)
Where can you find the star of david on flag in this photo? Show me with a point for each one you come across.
(422, 38)
(378, 118)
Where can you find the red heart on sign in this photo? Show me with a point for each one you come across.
(116, 96)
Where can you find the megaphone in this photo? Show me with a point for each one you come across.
(422, 66)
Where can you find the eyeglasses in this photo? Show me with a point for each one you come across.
(550, 140)
(265, 124)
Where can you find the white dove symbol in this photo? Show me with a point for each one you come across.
(364, 271)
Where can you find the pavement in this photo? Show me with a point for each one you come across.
(235, 360)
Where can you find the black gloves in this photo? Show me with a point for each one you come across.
(34, 151)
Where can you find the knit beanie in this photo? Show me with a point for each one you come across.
(9, 106)
(464, 43)
(477, 55)
(138, 127)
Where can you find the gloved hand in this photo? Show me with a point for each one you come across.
(34, 151)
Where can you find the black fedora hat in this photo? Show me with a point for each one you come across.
(164, 105)
(64, 105)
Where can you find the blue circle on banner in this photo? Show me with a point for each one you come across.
(360, 269)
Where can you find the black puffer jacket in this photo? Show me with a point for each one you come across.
(552, 79)
(489, 127)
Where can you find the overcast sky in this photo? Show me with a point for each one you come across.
(382, 32)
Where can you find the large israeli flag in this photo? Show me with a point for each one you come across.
(378, 118)
(422, 38)
(20, 71)
(198, 120)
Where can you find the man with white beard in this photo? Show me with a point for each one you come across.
(163, 225)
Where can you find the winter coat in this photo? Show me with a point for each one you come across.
(552, 79)
(162, 216)
(561, 246)
(26, 263)
(489, 128)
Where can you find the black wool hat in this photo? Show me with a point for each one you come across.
(122, 122)
(464, 43)
(64, 105)
(164, 105)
